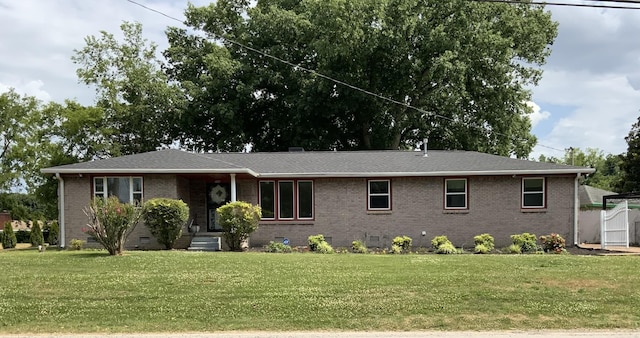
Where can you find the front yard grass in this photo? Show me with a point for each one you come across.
(177, 291)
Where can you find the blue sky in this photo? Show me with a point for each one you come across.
(589, 95)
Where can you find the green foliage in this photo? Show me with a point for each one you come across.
(447, 249)
(437, 241)
(9, 240)
(483, 243)
(54, 233)
(36, 237)
(553, 243)
(402, 242)
(111, 222)
(514, 249)
(475, 67)
(23, 236)
(608, 175)
(238, 220)
(324, 248)
(442, 245)
(277, 247)
(165, 218)
(630, 161)
(358, 247)
(526, 241)
(314, 241)
(137, 102)
(76, 244)
(318, 244)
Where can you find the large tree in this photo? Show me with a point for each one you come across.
(631, 161)
(138, 102)
(457, 70)
(20, 116)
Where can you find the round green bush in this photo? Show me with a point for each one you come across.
(165, 218)
(446, 248)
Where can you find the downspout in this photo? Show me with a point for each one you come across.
(61, 242)
(576, 209)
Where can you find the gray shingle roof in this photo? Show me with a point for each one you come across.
(320, 164)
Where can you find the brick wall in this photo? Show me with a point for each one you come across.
(341, 214)
(417, 206)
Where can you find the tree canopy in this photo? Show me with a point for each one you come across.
(456, 70)
(630, 161)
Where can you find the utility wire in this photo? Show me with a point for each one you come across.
(311, 71)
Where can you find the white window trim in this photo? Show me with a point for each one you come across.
(298, 200)
(105, 193)
(275, 202)
(446, 193)
(544, 193)
(369, 194)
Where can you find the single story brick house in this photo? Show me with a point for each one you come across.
(355, 195)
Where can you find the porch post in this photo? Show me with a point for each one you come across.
(233, 187)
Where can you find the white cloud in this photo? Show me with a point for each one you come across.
(31, 88)
(537, 114)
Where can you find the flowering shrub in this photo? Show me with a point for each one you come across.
(111, 222)
(553, 243)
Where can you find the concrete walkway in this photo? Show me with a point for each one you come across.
(429, 334)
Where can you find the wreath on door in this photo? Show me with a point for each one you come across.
(218, 194)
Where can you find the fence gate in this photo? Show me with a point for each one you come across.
(614, 226)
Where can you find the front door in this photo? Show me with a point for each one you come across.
(218, 194)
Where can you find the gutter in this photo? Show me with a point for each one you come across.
(61, 240)
(576, 209)
(431, 173)
(149, 171)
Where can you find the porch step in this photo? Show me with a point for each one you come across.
(204, 243)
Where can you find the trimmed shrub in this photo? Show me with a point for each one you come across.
(277, 247)
(8, 237)
(483, 243)
(111, 222)
(403, 243)
(165, 218)
(35, 237)
(358, 247)
(76, 244)
(54, 233)
(238, 220)
(318, 244)
(526, 242)
(553, 243)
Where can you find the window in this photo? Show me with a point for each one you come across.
(267, 199)
(294, 199)
(455, 193)
(533, 192)
(379, 195)
(127, 189)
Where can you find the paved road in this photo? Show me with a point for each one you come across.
(497, 334)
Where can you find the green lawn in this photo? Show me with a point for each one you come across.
(88, 291)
